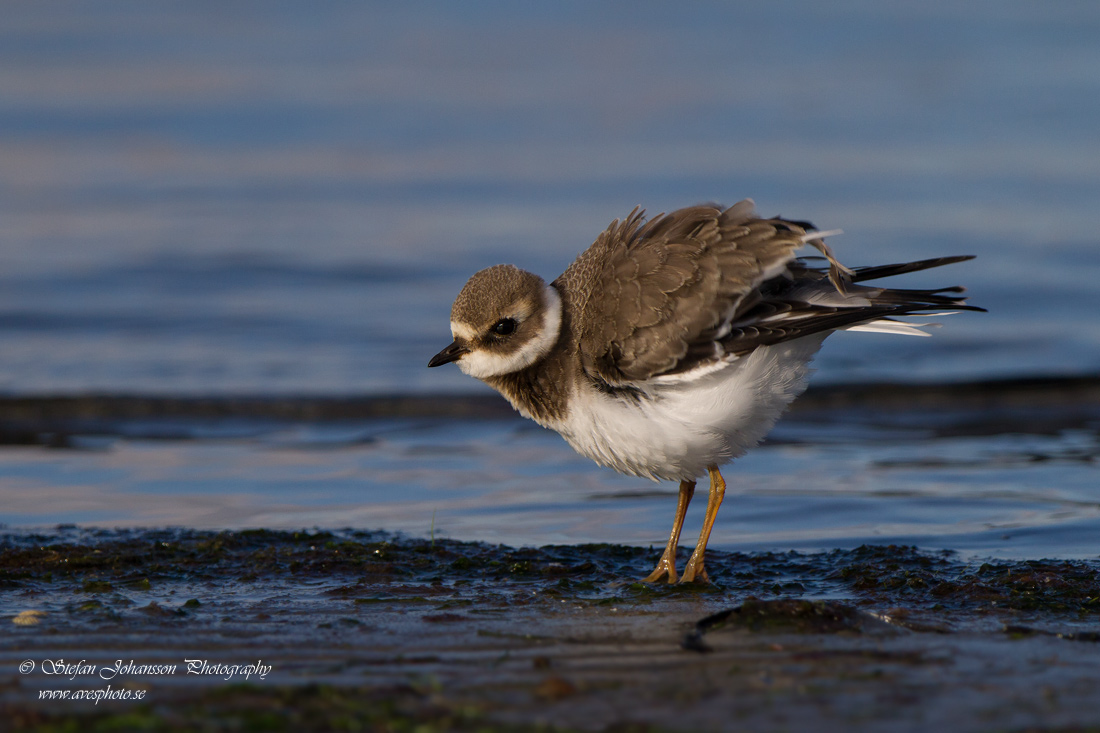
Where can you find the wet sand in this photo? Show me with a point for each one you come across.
(372, 631)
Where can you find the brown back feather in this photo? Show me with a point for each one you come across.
(650, 294)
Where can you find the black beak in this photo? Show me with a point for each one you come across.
(453, 352)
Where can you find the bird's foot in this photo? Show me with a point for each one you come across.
(695, 572)
(665, 566)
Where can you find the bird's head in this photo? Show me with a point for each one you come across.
(505, 319)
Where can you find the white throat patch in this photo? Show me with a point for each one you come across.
(482, 364)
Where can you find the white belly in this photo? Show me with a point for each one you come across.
(683, 425)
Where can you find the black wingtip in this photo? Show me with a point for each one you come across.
(875, 272)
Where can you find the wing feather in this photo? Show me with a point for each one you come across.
(648, 295)
(688, 290)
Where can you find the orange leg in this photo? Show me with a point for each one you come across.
(667, 564)
(695, 570)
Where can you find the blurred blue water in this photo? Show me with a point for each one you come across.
(285, 198)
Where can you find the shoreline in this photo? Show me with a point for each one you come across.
(1037, 392)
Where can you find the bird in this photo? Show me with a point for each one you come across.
(673, 344)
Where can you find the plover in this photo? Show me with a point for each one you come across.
(671, 346)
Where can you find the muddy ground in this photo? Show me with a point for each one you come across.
(368, 631)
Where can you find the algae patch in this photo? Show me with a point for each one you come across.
(370, 630)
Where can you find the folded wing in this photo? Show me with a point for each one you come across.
(701, 286)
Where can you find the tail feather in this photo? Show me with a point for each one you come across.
(920, 300)
(808, 300)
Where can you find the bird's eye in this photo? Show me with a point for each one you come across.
(504, 326)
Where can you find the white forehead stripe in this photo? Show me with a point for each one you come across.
(482, 364)
(462, 331)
